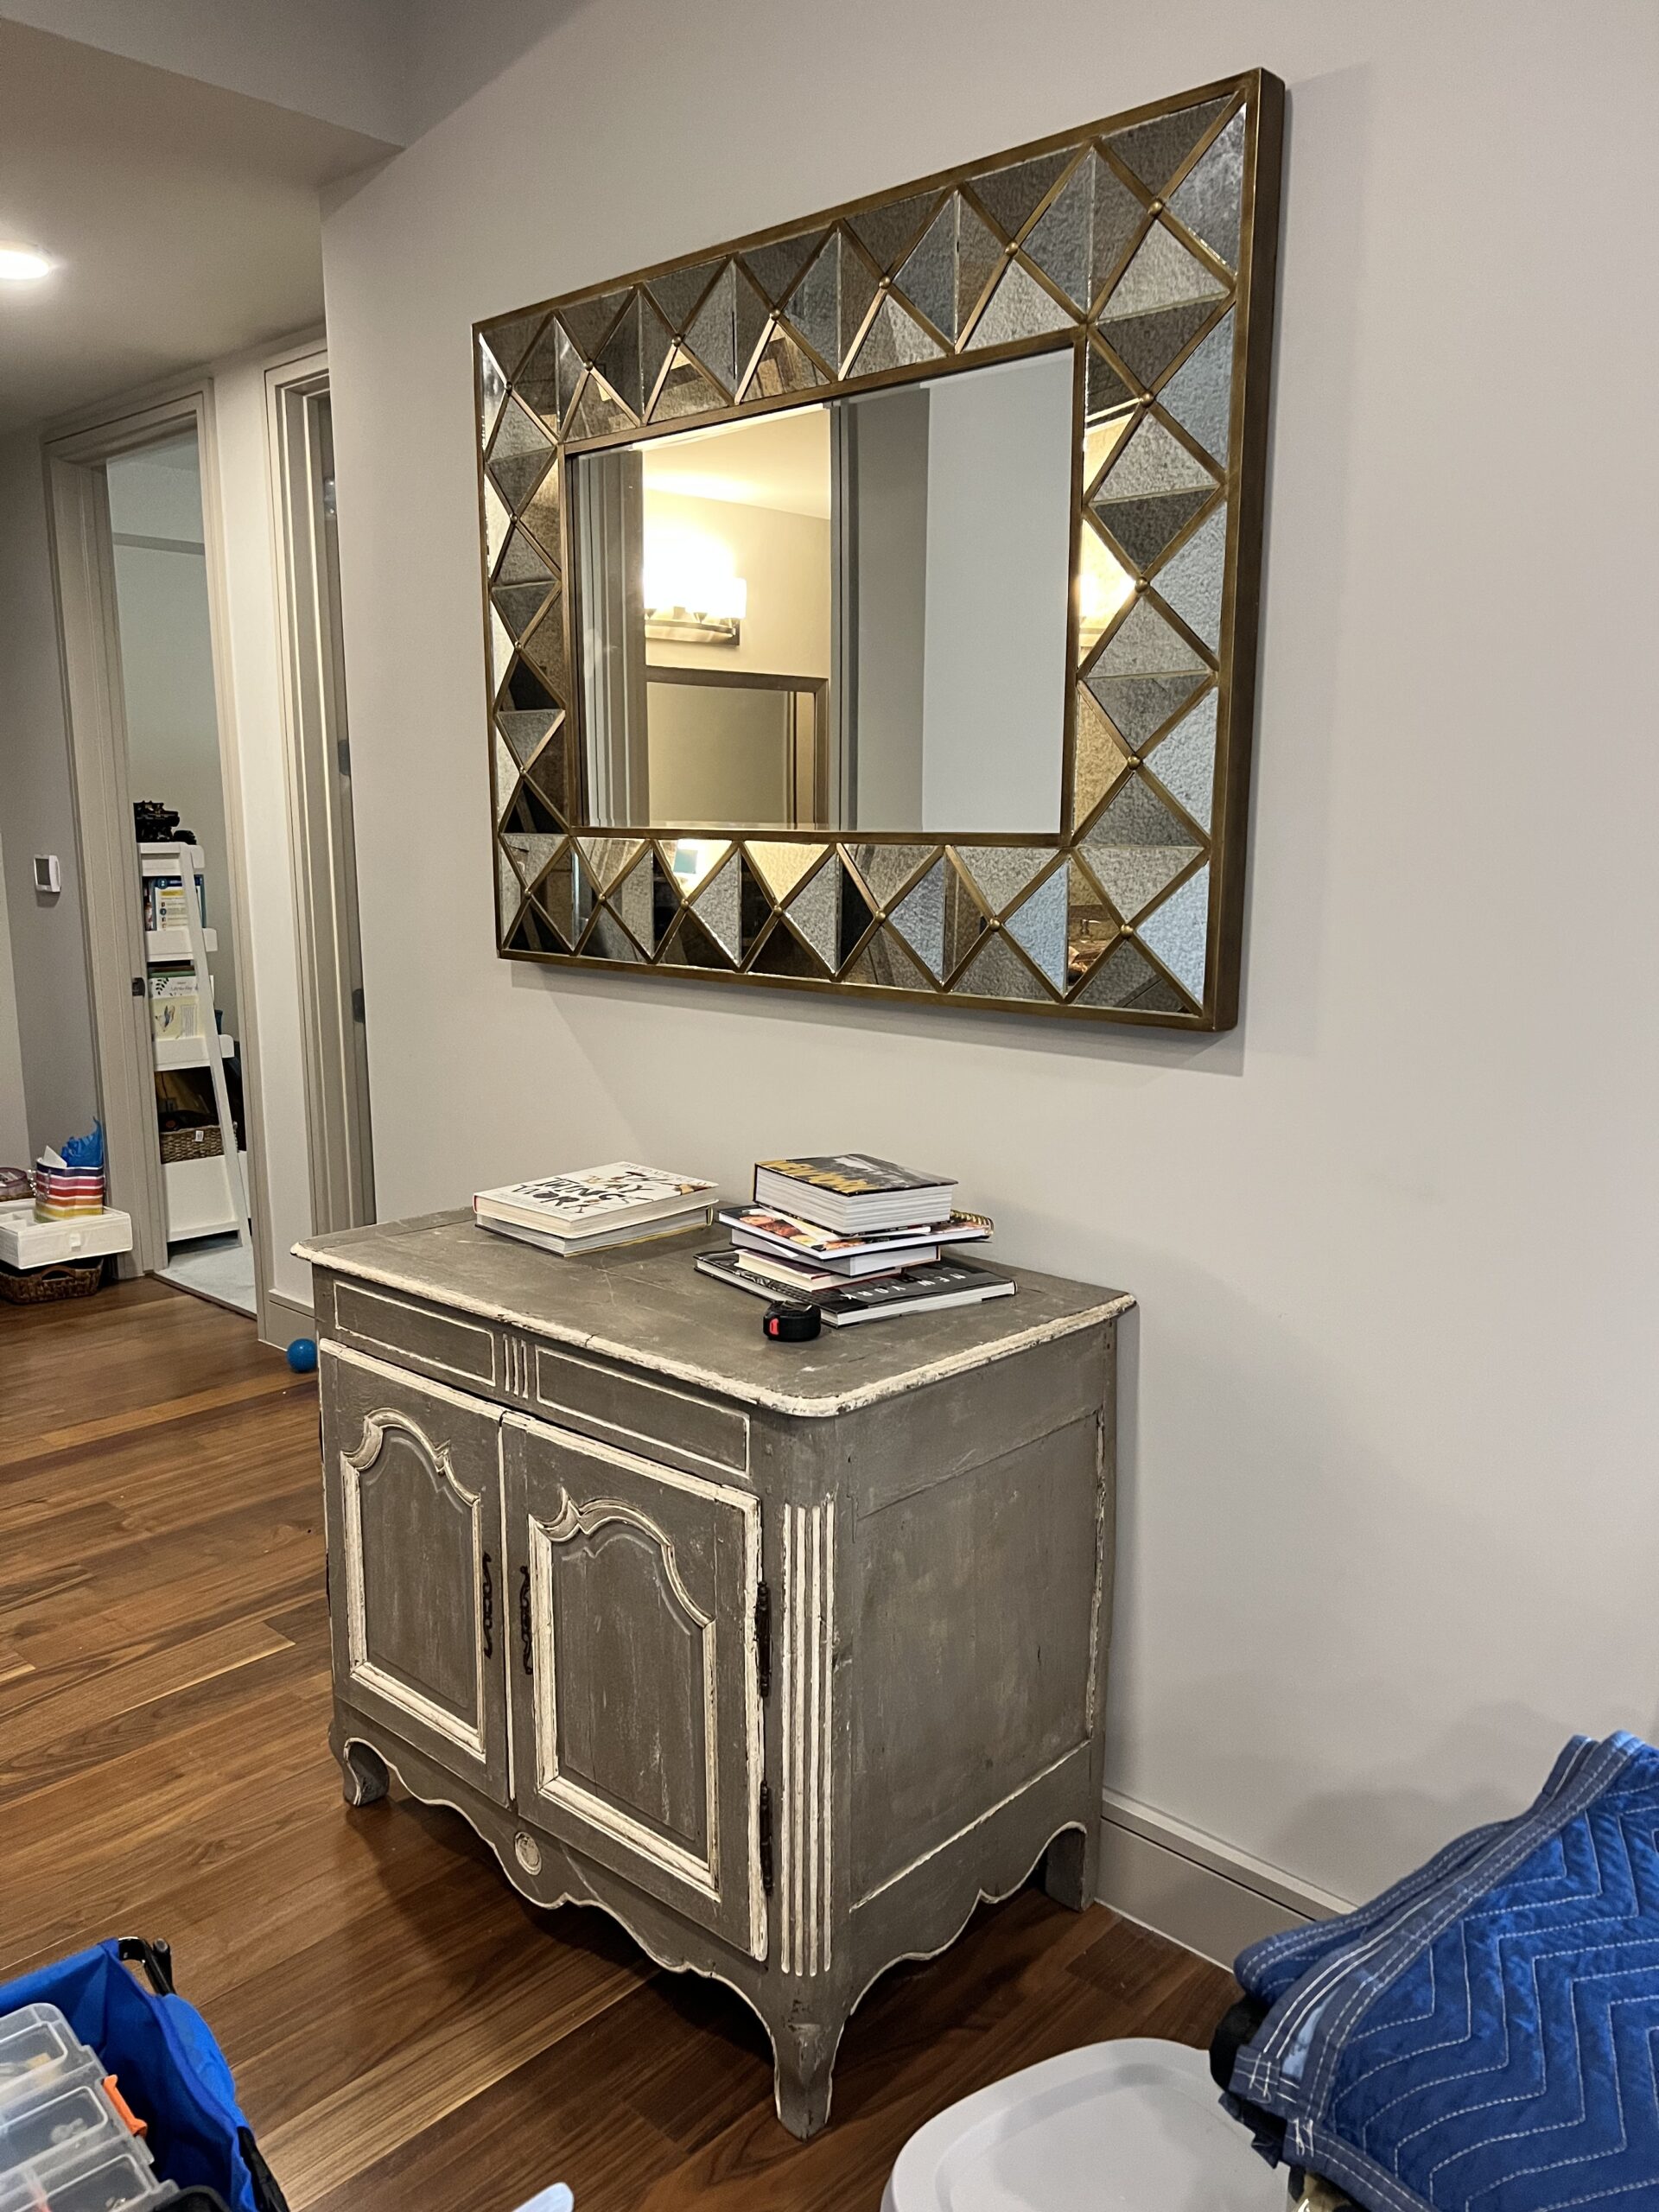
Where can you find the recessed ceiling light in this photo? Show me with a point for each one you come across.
(19, 263)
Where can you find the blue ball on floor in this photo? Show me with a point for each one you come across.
(302, 1355)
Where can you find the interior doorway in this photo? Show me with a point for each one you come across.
(137, 547)
(174, 773)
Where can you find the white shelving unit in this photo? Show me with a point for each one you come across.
(205, 1197)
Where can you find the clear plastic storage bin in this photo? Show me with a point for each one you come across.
(66, 2145)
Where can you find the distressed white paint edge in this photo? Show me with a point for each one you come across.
(422, 1313)
(1077, 1752)
(704, 1378)
(575, 1413)
(354, 1465)
(1193, 1889)
(749, 1508)
(553, 1786)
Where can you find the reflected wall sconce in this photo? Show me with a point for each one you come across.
(693, 594)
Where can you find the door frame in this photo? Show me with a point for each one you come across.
(83, 565)
(312, 705)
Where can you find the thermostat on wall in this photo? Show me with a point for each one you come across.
(46, 877)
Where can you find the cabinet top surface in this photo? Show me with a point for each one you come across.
(646, 1305)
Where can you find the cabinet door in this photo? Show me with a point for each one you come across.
(636, 1711)
(412, 1482)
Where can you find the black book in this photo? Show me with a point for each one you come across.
(919, 1290)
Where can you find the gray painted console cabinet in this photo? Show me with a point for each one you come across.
(786, 1656)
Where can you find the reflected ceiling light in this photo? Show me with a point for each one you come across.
(21, 264)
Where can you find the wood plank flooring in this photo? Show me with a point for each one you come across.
(405, 2031)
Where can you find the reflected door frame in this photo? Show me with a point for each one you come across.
(812, 760)
(83, 566)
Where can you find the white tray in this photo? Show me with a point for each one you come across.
(1129, 2126)
(26, 1242)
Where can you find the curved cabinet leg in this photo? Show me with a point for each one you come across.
(1071, 1867)
(804, 2060)
(363, 1777)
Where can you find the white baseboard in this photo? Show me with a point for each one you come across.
(285, 1318)
(1200, 1892)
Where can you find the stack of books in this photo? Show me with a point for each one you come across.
(594, 1208)
(859, 1238)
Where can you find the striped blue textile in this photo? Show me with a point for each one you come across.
(1485, 2035)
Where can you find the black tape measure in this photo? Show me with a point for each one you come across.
(791, 1321)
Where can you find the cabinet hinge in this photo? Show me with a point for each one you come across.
(763, 1638)
(765, 1838)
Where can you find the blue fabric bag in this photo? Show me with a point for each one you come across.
(1481, 2037)
(171, 2071)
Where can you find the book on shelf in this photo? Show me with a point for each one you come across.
(919, 1290)
(853, 1193)
(759, 1229)
(619, 1195)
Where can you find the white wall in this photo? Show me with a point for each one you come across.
(48, 952)
(1389, 1529)
(999, 568)
(889, 493)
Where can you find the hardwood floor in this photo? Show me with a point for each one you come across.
(405, 2031)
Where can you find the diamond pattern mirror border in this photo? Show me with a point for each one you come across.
(1146, 245)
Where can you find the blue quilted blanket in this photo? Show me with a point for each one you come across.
(1484, 2036)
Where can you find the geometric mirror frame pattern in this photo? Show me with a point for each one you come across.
(1146, 246)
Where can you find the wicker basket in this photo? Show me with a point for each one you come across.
(192, 1144)
(46, 1286)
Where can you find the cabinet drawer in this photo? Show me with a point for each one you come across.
(443, 1345)
(652, 1417)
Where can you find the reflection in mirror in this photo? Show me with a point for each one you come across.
(784, 622)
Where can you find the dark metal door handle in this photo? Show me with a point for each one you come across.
(525, 1649)
(487, 1608)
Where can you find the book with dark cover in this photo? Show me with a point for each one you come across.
(849, 1191)
(919, 1290)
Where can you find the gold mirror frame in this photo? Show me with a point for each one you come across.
(1146, 243)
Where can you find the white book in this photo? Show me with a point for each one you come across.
(618, 1195)
(598, 1239)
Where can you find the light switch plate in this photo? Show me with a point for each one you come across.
(47, 876)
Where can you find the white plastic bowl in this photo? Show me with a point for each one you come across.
(1128, 2126)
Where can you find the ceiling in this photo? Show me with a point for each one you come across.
(778, 461)
(185, 218)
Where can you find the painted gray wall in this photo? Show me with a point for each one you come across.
(37, 816)
(1387, 1529)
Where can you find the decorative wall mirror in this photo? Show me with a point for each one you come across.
(872, 605)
